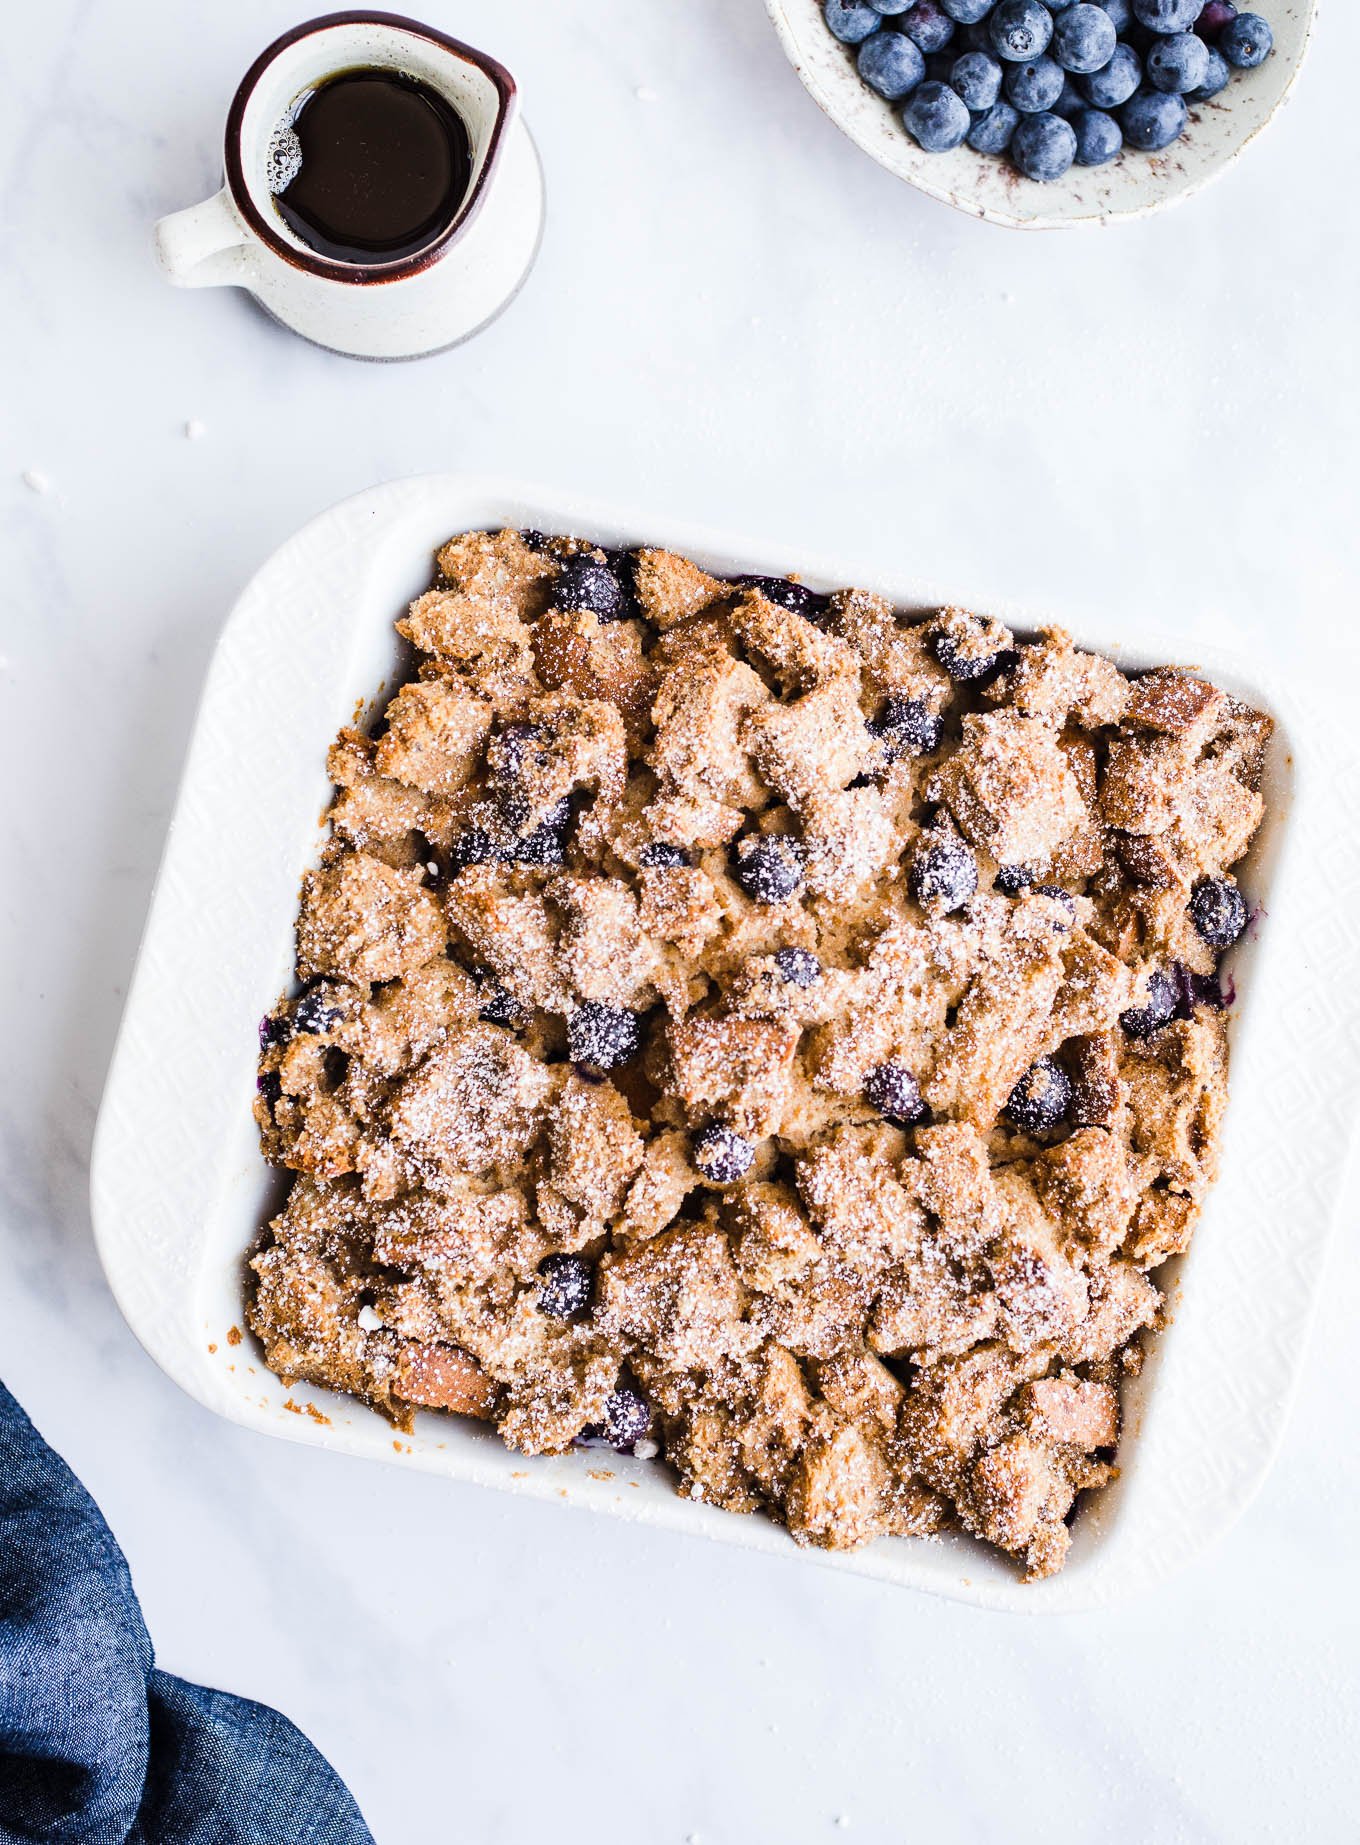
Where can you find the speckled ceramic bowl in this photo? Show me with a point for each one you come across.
(1129, 187)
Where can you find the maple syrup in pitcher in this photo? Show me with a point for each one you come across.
(371, 167)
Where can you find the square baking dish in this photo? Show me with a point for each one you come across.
(180, 1191)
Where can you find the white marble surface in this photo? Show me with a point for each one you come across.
(735, 318)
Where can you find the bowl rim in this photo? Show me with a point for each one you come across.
(790, 39)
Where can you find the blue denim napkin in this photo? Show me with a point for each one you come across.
(96, 1744)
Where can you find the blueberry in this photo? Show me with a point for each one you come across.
(512, 748)
(498, 1004)
(799, 966)
(1070, 101)
(769, 867)
(1167, 15)
(928, 24)
(1152, 120)
(977, 79)
(1043, 147)
(991, 132)
(1032, 88)
(1040, 1099)
(936, 117)
(1246, 41)
(272, 1031)
(1216, 75)
(601, 1036)
(785, 594)
(1162, 995)
(851, 24)
(891, 64)
(566, 1290)
(890, 7)
(1084, 38)
(270, 1086)
(312, 1015)
(961, 666)
(1213, 16)
(976, 37)
(894, 1092)
(585, 583)
(721, 1154)
(513, 809)
(1108, 88)
(545, 845)
(967, 12)
(1010, 880)
(660, 855)
(1207, 990)
(1179, 62)
(1056, 894)
(943, 874)
(1098, 137)
(1218, 911)
(907, 727)
(1021, 30)
(1120, 12)
(476, 847)
(627, 1418)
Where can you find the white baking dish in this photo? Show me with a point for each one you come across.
(180, 1189)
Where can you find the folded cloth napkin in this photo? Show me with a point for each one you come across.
(96, 1744)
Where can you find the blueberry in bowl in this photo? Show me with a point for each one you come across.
(1153, 119)
(1178, 63)
(1035, 87)
(992, 130)
(976, 78)
(1044, 146)
(1099, 137)
(938, 124)
(1020, 30)
(927, 24)
(891, 63)
(936, 117)
(1084, 39)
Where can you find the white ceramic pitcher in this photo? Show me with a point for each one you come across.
(394, 310)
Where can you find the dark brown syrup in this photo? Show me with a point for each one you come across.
(380, 167)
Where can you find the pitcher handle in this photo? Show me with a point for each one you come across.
(203, 246)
